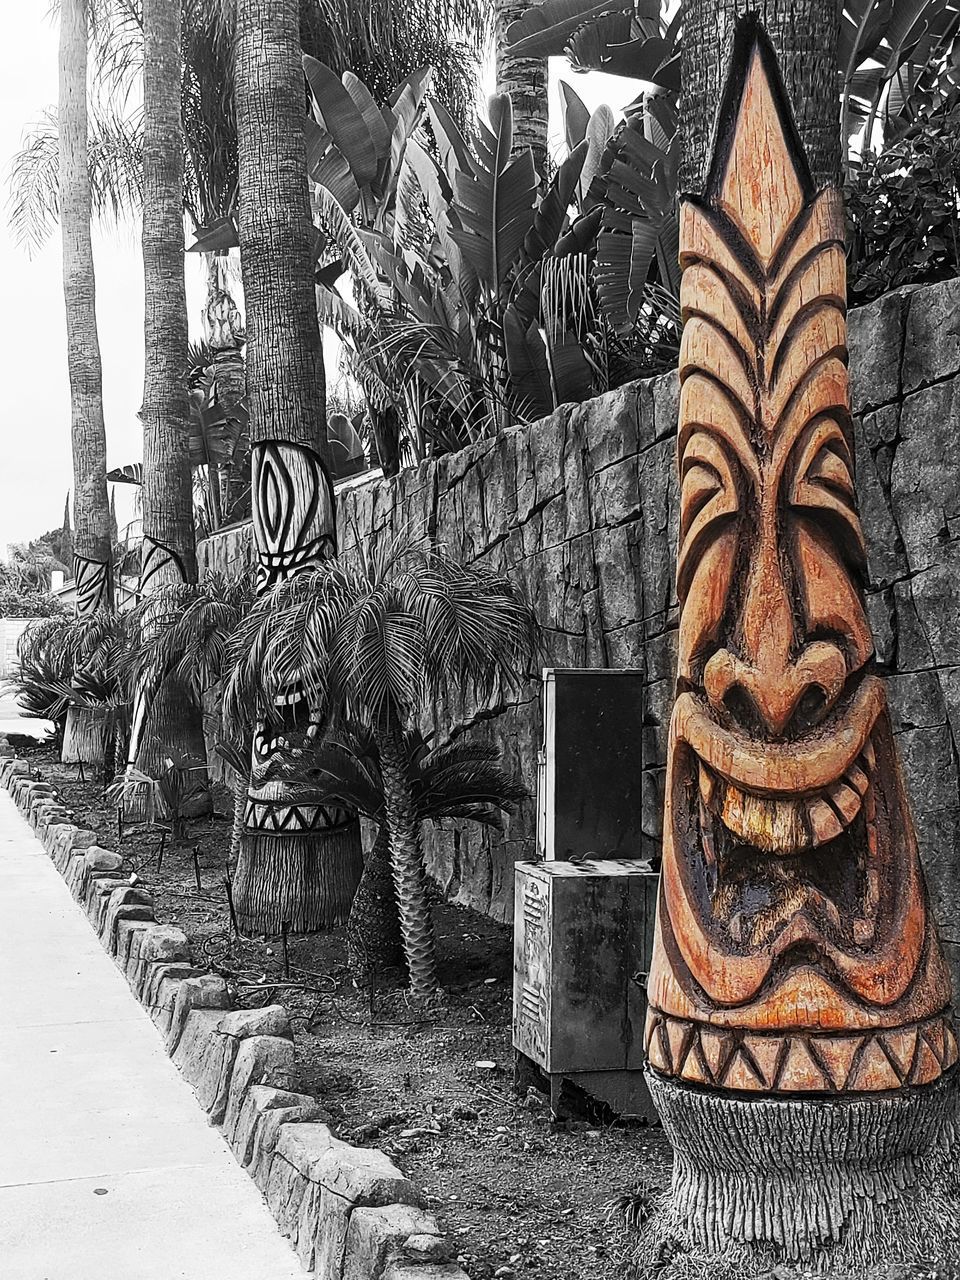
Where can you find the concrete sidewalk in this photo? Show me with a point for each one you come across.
(108, 1167)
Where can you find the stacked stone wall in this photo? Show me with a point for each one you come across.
(581, 507)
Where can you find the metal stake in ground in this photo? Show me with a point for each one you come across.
(119, 822)
(196, 866)
(284, 930)
(228, 886)
(163, 842)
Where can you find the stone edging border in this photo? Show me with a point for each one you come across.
(348, 1211)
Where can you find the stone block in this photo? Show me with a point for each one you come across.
(158, 944)
(931, 348)
(260, 1059)
(377, 1238)
(350, 1177)
(127, 903)
(160, 994)
(128, 935)
(266, 1135)
(208, 991)
(209, 1047)
(259, 1099)
(402, 1270)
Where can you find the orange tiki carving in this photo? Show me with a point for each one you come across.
(795, 950)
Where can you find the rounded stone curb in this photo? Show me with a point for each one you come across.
(348, 1211)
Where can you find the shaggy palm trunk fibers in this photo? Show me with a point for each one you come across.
(85, 736)
(406, 857)
(374, 942)
(173, 731)
(240, 785)
(306, 878)
(832, 1185)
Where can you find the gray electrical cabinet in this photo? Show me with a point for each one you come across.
(584, 915)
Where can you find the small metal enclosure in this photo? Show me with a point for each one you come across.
(590, 775)
(582, 932)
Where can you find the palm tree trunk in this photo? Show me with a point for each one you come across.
(240, 785)
(88, 435)
(167, 716)
(525, 80)
(804, 34)
(374, 941)
(91, 540)
(406, 857)
(300, 857)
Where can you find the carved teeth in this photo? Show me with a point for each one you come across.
(824, 823)
(857, 779)
(737, 927)
(846, 799)
(708, 784)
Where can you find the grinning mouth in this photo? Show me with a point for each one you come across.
(805, 842)
(756, 892)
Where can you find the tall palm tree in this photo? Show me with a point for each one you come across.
(804, 34)
(88, 433)
(380, 640)
(524, 78)
(165, 715)
(300, 858)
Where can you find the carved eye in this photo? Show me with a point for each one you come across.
(708, 495)
(823, 484)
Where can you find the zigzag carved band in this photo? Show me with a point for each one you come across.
(813, 1062)
(277, 818)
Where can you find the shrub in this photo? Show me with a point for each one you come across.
(29, 604)
(903, 205)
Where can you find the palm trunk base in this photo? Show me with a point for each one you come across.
(374, 943)
(847, 1185)
(85, 736)
(175, 726)
(304, 878)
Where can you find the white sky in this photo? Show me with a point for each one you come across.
(35, 462)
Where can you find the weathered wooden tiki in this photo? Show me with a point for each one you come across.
(300, 859)
(800, 1042)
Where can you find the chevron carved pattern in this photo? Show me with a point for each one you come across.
(92, 579)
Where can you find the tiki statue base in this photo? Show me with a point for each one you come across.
(840, 1185)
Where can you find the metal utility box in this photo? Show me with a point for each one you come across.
(582, 932)
(590, 773)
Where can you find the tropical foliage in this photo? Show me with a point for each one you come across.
(904, 203)
(479, 296)
(375, 641)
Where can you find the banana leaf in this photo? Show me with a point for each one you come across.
(543, 30)
(530, 386)
(495, 205)
(576, 116)
(342, 119)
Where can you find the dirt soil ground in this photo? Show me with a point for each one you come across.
(518, 1193)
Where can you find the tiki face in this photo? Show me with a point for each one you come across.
(294, 528)
(793, 917)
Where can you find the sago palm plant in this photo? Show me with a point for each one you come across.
(463, 780)
(380, 638)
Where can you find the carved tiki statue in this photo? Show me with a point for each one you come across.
(795, 952)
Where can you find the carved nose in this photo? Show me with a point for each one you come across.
(776, 693)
